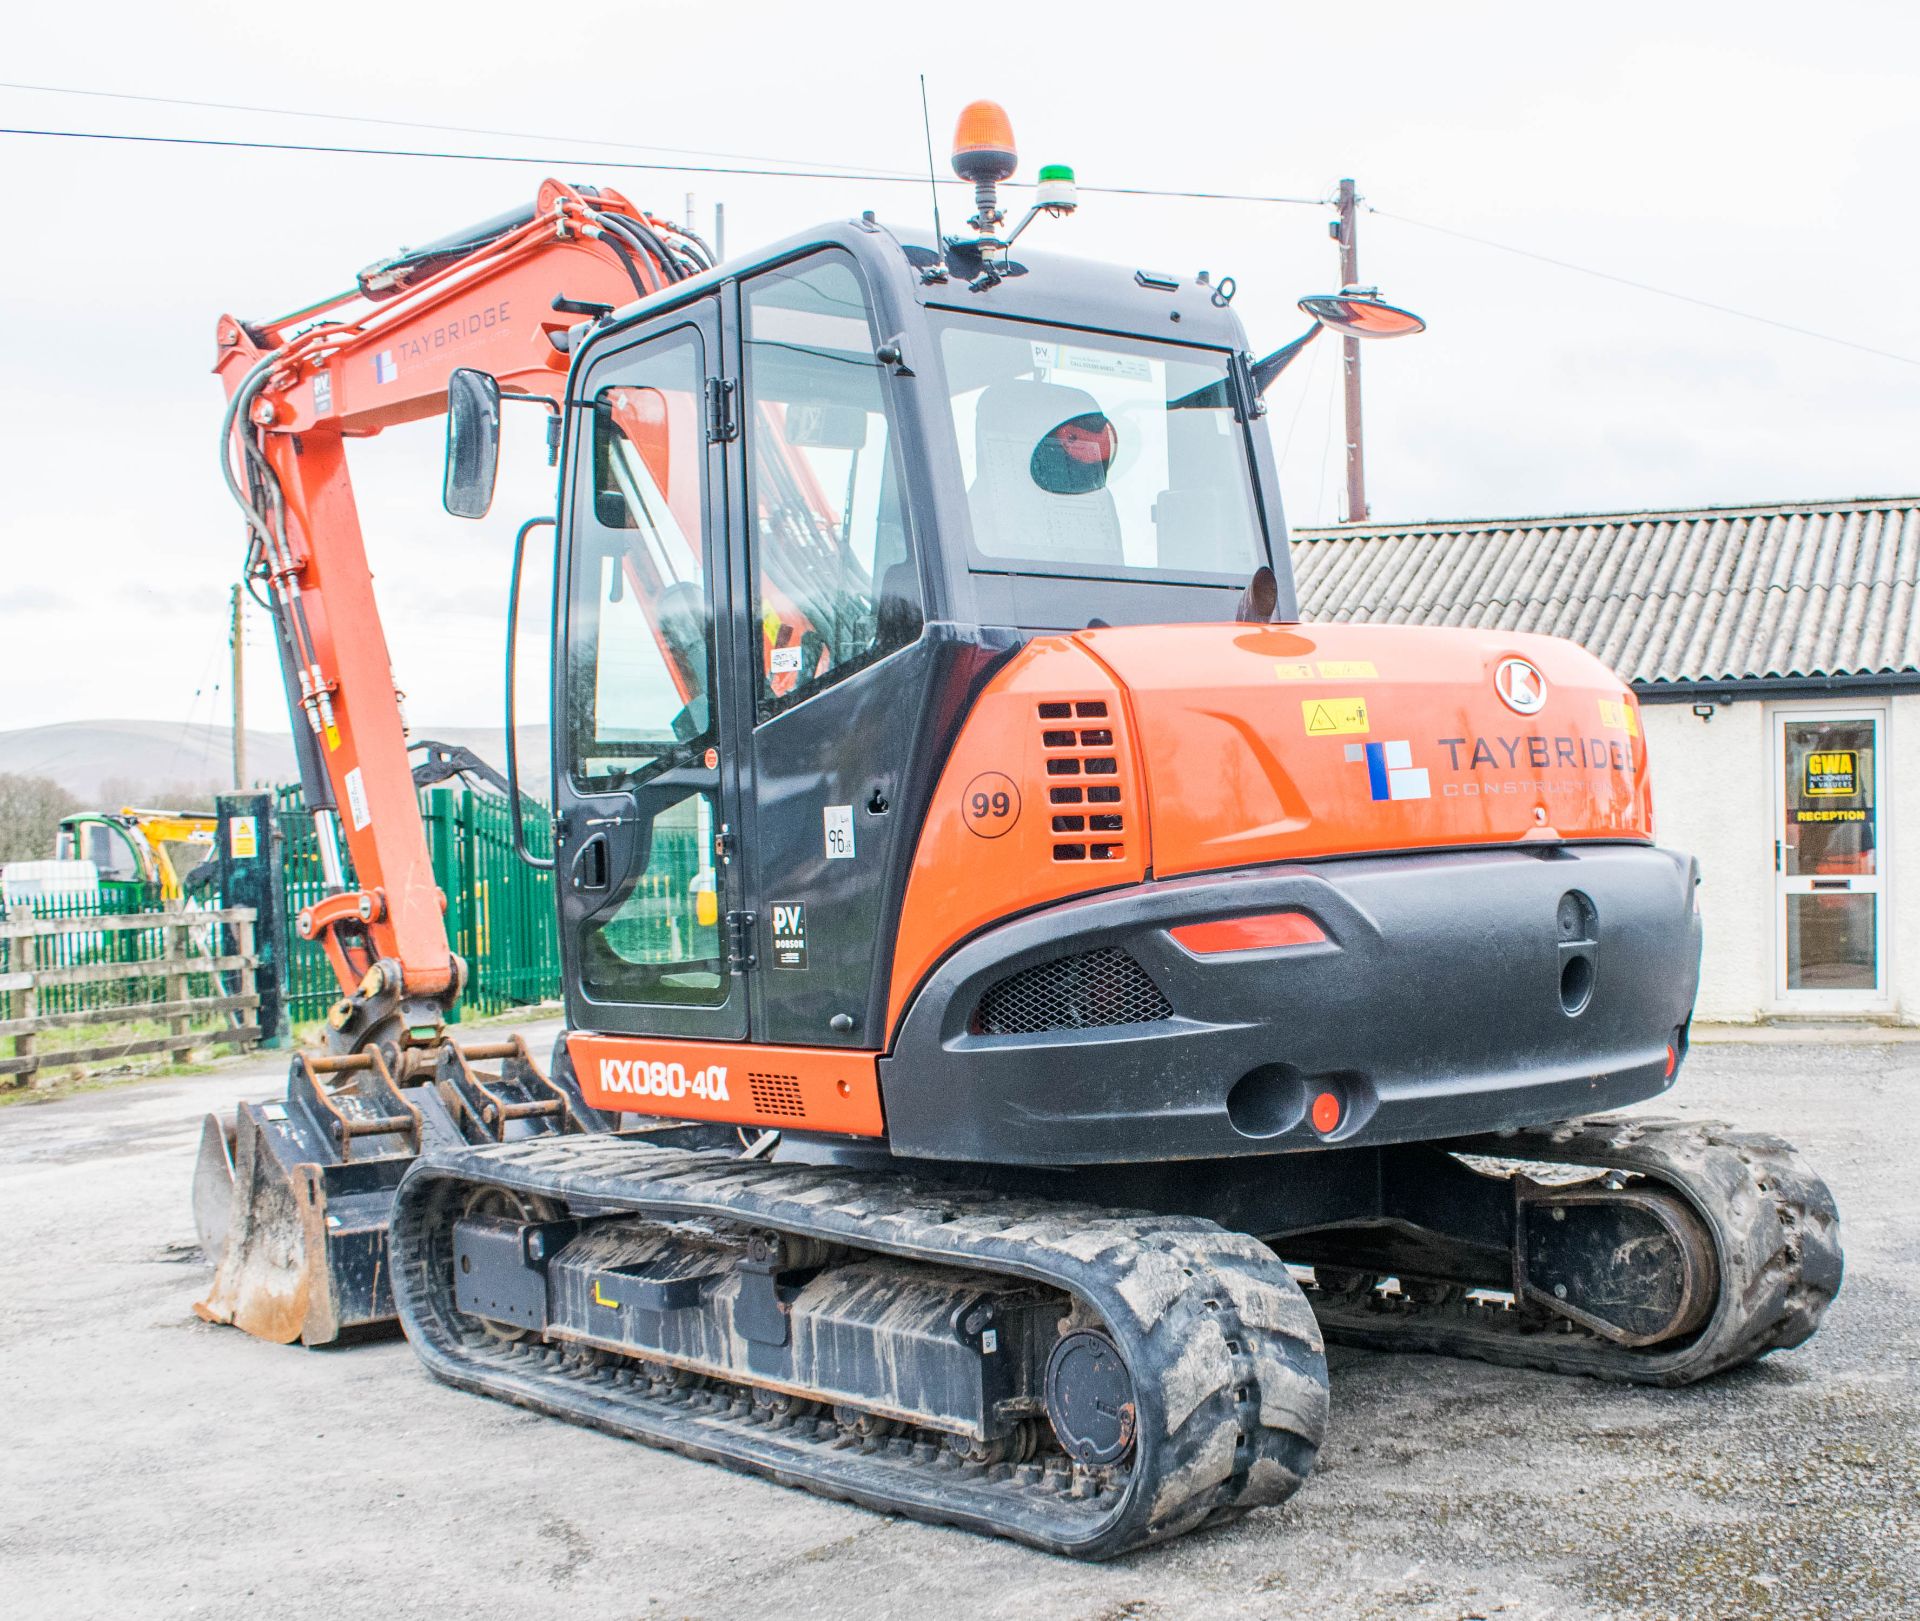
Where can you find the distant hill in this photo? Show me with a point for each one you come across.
(157, 759)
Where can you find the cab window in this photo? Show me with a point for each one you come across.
(834, 582)
(640, 625)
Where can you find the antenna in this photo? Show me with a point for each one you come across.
(933, 179)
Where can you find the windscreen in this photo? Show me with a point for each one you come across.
(1088, 454)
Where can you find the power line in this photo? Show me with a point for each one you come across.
(870, 177)
(405, 123)
(1646, 287)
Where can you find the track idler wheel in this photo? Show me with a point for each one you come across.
(1635, 1265)
(1090, 1398)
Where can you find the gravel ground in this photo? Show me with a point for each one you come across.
(154, 1465)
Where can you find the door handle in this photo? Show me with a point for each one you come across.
(592, 863)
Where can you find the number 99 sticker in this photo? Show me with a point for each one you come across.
(991, 805)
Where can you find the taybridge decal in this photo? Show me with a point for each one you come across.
(1535, 753)
(640, 1077)
(459, 333)
(1391, 773)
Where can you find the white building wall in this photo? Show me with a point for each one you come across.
(1714, 796)
(1710, 798)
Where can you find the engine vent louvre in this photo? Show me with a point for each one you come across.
(1081, 752)
(1084, 992)
(777, 1095)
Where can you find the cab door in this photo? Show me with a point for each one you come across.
(646, 797)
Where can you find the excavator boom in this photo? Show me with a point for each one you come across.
(293, 1197)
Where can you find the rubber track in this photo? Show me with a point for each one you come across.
(1776, 1236)
(1227, 1361)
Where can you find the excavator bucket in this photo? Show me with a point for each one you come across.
(295, 1205)
(292, 1202)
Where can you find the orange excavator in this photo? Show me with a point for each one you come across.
(1024, 989)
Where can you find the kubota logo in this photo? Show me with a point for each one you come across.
(650, 1078)
(1521, 687)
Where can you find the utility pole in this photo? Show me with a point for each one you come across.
(1342, 231)
(238, 635)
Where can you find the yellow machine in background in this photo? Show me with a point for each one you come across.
(144, 847)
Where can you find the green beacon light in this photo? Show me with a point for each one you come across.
(1055, 192)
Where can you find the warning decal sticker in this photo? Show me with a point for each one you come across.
(1332, 717)
(1618, 713)
(357, 800)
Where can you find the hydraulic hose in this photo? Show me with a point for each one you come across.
(625, 257)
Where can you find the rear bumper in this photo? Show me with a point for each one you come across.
(1434, 1008)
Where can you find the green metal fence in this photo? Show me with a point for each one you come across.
(500, 914)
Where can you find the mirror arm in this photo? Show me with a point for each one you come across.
(1264, 371)
(553, 421)
(539, 863)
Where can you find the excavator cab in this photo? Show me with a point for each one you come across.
(806, 507)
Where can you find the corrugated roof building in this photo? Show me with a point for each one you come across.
(1704, 597)
(1777, 657)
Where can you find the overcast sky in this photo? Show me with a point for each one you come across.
(1760, 157)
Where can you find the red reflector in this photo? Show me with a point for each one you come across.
(1261, 933)
(1326, 1113)
(1673, 1060)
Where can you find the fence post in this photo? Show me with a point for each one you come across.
(25, 1002)
(443, 846)
(249, 978)
(179, 1025)
(253, 874)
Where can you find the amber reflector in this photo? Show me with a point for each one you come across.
(1262, 933)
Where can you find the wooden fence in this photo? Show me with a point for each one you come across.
(178, 973)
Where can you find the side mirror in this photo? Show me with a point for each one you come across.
(1353, 312)
(473, 442)
(1357, 313)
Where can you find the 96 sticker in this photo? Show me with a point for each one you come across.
(839, 828)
